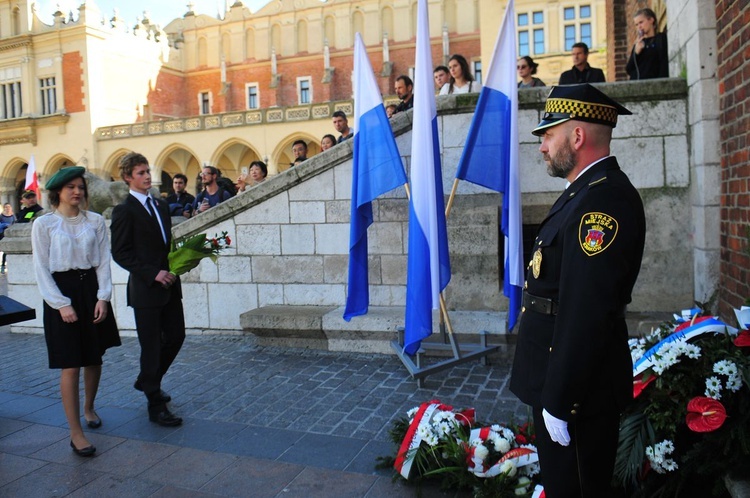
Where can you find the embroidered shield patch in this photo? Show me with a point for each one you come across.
(596, 233)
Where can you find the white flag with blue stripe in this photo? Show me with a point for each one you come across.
(376, 169)
(428, 267)
(490, 156)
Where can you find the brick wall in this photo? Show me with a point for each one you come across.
(177, 95)
(618, 48)
(733, 75)
(73, 82)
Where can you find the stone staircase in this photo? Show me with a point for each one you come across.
(322, 327)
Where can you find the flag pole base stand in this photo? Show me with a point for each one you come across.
(461, 354)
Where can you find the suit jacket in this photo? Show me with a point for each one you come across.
(138, 246)
(587, 257)
(589, 75)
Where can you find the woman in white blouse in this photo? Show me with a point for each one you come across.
(461, 79)
(71, 260)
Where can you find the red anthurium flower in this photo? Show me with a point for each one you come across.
(743, 339)
(639, 384)
(705, 414)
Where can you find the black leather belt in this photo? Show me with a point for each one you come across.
(541, 305)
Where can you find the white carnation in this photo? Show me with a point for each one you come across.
(481, 452)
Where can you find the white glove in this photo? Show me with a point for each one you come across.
(558, 429)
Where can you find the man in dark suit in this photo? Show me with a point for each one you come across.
(581, 72)
(572, 362)
(141, 237)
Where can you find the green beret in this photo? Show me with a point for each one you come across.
(63, 176)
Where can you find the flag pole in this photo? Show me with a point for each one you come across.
(444, 318)
(454, 189)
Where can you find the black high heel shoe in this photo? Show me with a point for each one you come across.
(85, 452)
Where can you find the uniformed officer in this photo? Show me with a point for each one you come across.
(572, 362)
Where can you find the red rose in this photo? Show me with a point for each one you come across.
(705, 414)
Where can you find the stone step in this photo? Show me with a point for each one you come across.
(322, 327)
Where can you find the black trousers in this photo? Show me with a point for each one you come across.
(161, 332)
(584, 468)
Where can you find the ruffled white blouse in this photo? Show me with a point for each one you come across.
(60, 243)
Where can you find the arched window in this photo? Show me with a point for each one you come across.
(358, 25)
(250, 44)
(226, 47)
(276, 38)
(387, 20)
(330, 33)
(414, 20)
(16, 22)
(302, 36)
(450, 15)
(202, 52)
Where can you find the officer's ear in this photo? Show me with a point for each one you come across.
(579, 136)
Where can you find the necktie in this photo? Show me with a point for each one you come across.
(151, 209)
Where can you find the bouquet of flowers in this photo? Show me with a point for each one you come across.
(436, 442)
(690, 422)
(187, 253)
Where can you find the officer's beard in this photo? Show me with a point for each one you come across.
(563, 162)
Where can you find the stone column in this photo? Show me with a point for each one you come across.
(28, 75)
(692, 47)
(59, 84)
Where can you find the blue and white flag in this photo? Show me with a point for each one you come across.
(490, 156)
(428, 267)
(376, 169)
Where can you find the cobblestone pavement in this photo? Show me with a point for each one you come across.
(282, 421)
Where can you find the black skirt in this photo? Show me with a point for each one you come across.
(81, 343)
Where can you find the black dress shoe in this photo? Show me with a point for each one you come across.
(165, 418)
(166, 398)
(85, 452)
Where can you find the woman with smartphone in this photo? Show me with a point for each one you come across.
(649, 57)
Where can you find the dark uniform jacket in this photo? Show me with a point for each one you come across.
(587, 256)
(138, 246)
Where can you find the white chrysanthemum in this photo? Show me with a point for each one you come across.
(444, 428)
(656, 455)
(508, 434)
(531, 469)
(666, 446)
(734, 383)
(496, 428)
(709, 393)
(692, 351)
(412, 412)
(713, 383)
(509, 468)
(669, 465)
(476, 442)
(431, 439)
(424, 431)
(481, 452)
(720, 367)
